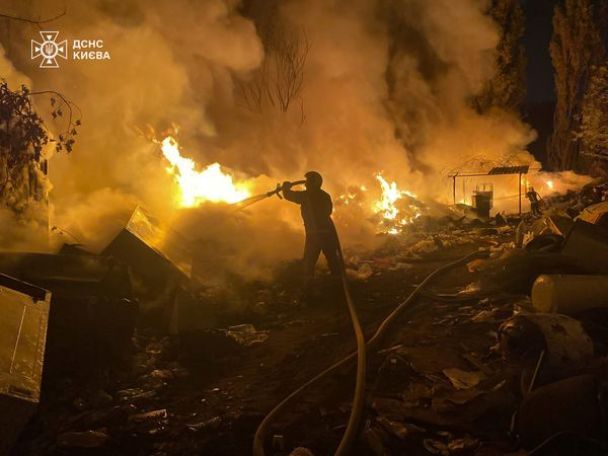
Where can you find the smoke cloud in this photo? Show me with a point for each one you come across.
(386, 88)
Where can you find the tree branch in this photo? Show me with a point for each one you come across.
(33, 21)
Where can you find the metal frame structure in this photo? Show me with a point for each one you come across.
(496, 171)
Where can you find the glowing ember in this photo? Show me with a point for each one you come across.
(395, 206)
(550, 185)
(210, 184)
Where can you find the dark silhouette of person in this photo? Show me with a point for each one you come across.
(321, 236)
(535, 201)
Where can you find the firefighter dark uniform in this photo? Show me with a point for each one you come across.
(535, 201)
(316, 208)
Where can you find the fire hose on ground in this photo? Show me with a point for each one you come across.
(359, 395)
(358, 400)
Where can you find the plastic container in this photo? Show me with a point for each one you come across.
(569, 294)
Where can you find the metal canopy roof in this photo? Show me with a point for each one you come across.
(496, 171)
(509, 170)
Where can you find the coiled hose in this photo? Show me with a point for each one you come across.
(359, 396)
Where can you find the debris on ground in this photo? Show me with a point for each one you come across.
(461, 379)
(496, 357)
(247, 335)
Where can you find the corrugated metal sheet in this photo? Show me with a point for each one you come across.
(509, 170)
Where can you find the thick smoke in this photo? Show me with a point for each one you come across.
(29, 230)
(387, 88)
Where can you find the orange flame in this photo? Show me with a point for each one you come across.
(395, 212)
(210, 184)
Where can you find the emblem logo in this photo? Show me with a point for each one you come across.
(49, 49)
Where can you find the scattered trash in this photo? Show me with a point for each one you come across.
(398, 429)
(485, 315)
(461, 379)
(477, 265)
(247, 335)
(424, 246)
(135, 394)
(86, 439)
(462, 445)
(436, 447)
(217, 399)
(470, 289)
(450, 445)
(457, 398)
(163, 374)
(500, 219)
(210, 424)
(364, 272)
(523, 337)
(160, 414)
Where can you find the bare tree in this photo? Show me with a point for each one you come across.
(289, 59)
(255, 92)
(278, 82)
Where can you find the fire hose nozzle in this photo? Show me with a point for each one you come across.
(279, 187)
(276, 191)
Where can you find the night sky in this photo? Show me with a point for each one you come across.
(539, 14)
(540, 99)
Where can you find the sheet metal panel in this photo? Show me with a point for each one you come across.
(24, 315)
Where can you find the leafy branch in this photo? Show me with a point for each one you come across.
(59, 102)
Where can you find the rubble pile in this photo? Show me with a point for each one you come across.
(505, 355)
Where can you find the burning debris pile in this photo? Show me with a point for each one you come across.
(393, 209)
(396, 207)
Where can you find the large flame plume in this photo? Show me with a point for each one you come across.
(210, 184)
(395, 206)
